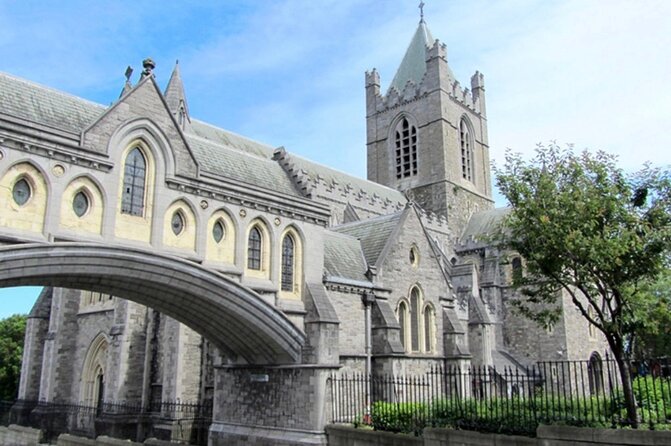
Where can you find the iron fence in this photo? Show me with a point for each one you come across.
(509, 400)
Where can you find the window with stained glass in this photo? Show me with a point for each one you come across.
(254, 249)
(288, 258)
(135, 172)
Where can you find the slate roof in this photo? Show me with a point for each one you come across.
(240, 166)
(315, 170)
(217, 151)
(483, 223)
(373, 234)
(46, 106)
(413, 65)
(343, 257)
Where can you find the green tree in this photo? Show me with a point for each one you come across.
(12, 332)
(586, 228)
(652, 336)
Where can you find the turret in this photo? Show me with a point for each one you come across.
(176, 98)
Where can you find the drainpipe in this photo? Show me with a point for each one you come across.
(368, 299)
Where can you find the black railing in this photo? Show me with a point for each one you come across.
(117, 419)
(508, 400)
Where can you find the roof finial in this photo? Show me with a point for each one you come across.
(421, 12)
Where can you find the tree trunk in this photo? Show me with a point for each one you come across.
(627, 388)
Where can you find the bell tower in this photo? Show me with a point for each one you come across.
(427, 136)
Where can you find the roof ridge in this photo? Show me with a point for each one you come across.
(52, 90)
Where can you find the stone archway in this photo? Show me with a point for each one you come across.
(232, 317)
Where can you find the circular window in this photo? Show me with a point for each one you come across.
(21, 192)
(80, 204)
(218, 231)
(413, 256)
(177, 223)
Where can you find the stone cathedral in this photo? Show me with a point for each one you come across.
(388, 275)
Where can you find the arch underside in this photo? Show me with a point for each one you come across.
(234, 318)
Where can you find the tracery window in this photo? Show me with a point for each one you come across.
(417, 321)
(466, 143)
(405, 139)
(135, 172)
(288, 258)
(254, 244)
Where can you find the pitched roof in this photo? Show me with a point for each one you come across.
(413, 66)
(217, 151)
(343, 257)
(373, 234)
(244, 167)
(316, 172)
(483, 224)
(46, 106)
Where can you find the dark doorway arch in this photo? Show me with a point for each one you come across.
(595, 373)
(231, 316)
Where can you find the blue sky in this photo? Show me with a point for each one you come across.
(290, 72)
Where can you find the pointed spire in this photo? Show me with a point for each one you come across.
(413, 66)
(176, 98)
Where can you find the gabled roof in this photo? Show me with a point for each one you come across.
(343, 257)
(46, 106)
(373, 234)
(413, 66)
(217, 151)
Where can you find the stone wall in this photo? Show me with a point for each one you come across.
(20, 436)
(339, 435)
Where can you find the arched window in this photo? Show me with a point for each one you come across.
(405, 139)
(429, 319)
(403, 322)
(466, 143)
(415, 319)
(254, 244)
(288, 258)
(135, 172)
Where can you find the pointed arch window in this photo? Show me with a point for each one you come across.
(254, 244)
(405, 139)
(415, 320)
(403, 322)
(135, 173)
(288, 258)
(466, 143)
(429, 318)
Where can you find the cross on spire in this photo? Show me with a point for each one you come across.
(421, 11)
